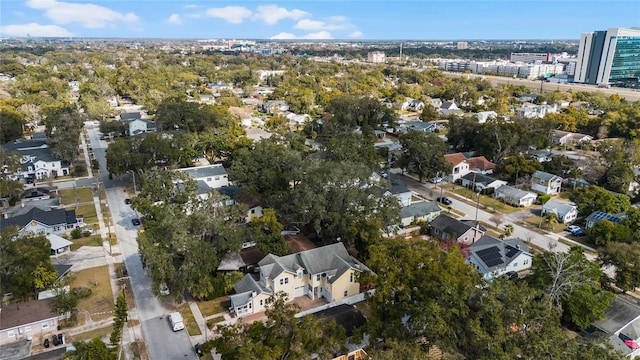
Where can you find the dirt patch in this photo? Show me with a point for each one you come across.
(299, 243)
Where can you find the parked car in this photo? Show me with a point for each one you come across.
(135, 222)
(445, 200)
(511, 275)
(54, 340)
(572, 228)
(127, 201)
(579, 232)
(46, 343)
(435, 180)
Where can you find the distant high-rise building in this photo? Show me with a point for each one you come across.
(462, 45)
(376, 57)
(609, 57)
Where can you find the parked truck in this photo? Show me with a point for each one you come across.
(175, 319)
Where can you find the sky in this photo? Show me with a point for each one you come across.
(316, 19)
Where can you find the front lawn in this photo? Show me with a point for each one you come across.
(212, 307)
(100, 304)
(79, 195)
(89, 213)
(93, 240)
(486, 201)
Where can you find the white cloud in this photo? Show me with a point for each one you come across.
(355, 34)
(191, 6)
(318, 35)
(89, 15)
(232, 14)
(174, 19)
(283, 36)
(307, 24)
(271, 14)
(35, 30)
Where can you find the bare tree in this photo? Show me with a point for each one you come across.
(565, 272)
(497, 219)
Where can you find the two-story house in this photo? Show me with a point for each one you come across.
(139, 126)
(546, 183)
(494, 257)
(208, 177)
(459, 166)
(36, 161)
(466, 232)
(327, 272)
(40, 222)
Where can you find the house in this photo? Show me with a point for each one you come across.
(459, 166)
(445, 227)
(272, 107)
(596, 216)
(566, 212)
(435, 102)
(513, 196)
(131, 116)
(532, 111)
(208, 177)
(36, 161)
(421, 126)
(543, 155)
(401, 192)
(297, 119)
(577, 182)
(327, 272)
(484, 116)
(420, 211)
(621, 325)
(494, 257)
(449, 108)
(40, 222)
(138, 126)
(478, 181)
(412, 105)
(546, 183)
(58, 244)
(24, 320)
(565, 138)
(481, 165)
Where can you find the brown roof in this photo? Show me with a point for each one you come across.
(480, 162)
(22, 313)
(455, 159)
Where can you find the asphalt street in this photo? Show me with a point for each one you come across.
(161, 341)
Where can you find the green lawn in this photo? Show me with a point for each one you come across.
(486, 201)
(212, 307)
(101, 332)
(93, 240)
(89, 213)
(189, 321)
(100, 303)
(68, 196)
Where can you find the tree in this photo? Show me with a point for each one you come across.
(429, 113)
(119, 318)
(267, 233)
(514, 167)
(423, 154)
(43, 276)
(11, 125)
(508, 230)
(10, 162)
(573, 284)
(281, 336)
(92, 350)
(595, 198)
(551, 219)
(63, 126)
(624, 257)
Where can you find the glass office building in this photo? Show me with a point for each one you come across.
(609, 58)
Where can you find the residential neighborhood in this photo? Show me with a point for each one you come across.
(223, 205)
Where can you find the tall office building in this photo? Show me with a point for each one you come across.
(609, 57)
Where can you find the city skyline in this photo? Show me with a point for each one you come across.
(373, 20)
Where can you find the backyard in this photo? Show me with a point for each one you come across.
(100, 304)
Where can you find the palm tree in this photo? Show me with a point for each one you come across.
(551, 219)
(508, 230)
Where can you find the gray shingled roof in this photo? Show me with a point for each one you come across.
(205, 171)
(51, 217)
(479, 178)
(449, 225)
(560, 207)
(512, 193)
(419, 209)
(545, 176)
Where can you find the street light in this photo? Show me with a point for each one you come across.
(475, 231)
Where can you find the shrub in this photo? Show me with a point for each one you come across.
(79, 170)
(86, 233)
(81, 292)
(76, 234)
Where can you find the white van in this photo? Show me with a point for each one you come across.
(175, 319)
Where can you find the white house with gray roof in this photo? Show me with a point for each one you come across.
(424, 210)
(208, 177)
(327, 272)
(41, 222)
(36, 161)
(494, 257)
(566, 212)
(514, 196)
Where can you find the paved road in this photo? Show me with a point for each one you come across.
(629, 94)
(542, 241)
(162, 343)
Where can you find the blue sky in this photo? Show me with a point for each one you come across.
(320, 19)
